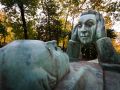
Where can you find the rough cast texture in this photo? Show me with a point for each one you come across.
(106, 52)
(83, 76)
(90, 76)
(73, 50)
(89, 29)
(32, 65)
(112, 80)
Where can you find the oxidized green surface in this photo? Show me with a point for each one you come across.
(106, 52)
(37, 65)
(32, 65)
(91, 29)
(83, 76)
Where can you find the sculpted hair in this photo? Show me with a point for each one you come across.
(97, 14)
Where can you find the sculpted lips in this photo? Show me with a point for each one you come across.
(84, 35)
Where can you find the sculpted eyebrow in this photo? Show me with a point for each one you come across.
(90, 20)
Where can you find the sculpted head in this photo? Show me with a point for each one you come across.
(86, 30)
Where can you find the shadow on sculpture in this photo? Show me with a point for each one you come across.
(38, 65)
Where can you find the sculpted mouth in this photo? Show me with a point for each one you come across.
(84, 35)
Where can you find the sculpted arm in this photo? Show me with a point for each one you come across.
(73, 48)
(100, 31)
(106, 51)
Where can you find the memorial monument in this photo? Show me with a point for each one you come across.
(38, 65)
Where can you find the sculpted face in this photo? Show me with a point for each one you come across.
(86, 28)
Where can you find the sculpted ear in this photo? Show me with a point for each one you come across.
(100, 29)
(74, 35)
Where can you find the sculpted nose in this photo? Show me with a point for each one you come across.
(83, 30)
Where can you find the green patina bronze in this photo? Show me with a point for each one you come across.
(91, 29)
(38, 65)
(32, 65)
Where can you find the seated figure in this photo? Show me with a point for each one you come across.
(90, 29)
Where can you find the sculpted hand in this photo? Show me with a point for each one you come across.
(74, 35)
(100, 31)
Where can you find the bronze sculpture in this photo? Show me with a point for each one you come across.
(91, 29)
(38, 65)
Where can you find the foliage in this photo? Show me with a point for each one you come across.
(27, 7)
(5, 35)
(56, 18)
(51, 26)
(116, 44)
(111, 33)
(3, 32)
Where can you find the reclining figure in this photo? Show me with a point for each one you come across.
(32, 65)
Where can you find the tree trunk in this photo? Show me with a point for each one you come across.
(4, 39)
(72, 22)
(49, 28)
(23, 20)
(65, 29)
